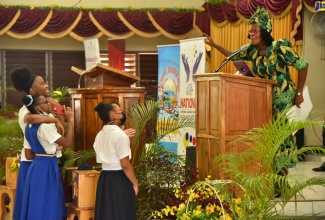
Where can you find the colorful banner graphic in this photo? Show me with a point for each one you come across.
(192, 56)
(168, 91)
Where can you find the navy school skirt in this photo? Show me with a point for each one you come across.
(115, 197)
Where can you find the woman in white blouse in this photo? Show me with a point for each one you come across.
(117, 185)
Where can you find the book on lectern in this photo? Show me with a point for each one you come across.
(93, 71)
(109, 76)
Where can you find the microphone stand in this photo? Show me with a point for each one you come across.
(79, 81)
(222, 64)
(243, 48)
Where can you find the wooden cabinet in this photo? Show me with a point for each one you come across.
(87, 123)
(227, 105)
(84, 188)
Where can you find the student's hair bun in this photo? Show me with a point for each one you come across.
(99, 107)
(28, 100)
(19, 77)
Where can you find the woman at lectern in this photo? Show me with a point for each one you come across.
(117, 185)
(271, 60)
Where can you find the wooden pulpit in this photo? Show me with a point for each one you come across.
(227, 105)
(113, 86)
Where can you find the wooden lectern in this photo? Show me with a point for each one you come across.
(115, 87)
(104, 76)
(227, 105)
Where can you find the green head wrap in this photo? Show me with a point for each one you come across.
(261, 17)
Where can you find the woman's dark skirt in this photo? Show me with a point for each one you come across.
(115, 197)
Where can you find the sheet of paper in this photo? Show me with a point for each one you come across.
(301, 113)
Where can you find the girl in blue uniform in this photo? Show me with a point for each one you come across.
(23, 80)
(43, 196)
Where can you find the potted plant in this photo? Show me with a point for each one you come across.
(11, 137)
(60, 94)
(256, 197)
(262, 146)
(158, 170)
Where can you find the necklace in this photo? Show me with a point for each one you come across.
(109, 123)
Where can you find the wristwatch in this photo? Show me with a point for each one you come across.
(299, 93)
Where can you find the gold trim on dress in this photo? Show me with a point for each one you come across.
(46, 155)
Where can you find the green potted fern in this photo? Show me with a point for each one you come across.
(254, 189)
(262, 146)
(11, 136)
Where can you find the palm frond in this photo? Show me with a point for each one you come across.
(263, 143)
(140, 115)
(80, 157)
(254, 170)
(8, 89)
(167, 125)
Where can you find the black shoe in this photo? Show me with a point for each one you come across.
(320, 169)
(277, 195)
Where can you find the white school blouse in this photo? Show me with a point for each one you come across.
(21, 115)
(21, 118)
(111, 145)
(47, 135)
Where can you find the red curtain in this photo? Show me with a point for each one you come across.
(60, 21)
(22, 23)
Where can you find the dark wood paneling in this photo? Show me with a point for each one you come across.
(87, 122)
(62, 73)
(148, 66)
(35, 60)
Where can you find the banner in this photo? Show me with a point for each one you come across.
(168, 91)
(92, 56)
(92, 53)
(192, 56)
(116, 53)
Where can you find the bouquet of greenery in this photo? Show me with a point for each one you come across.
(60, 94)
(203, 200)
(14, 166)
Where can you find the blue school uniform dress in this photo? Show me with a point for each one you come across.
(23, 168)
(43, 196)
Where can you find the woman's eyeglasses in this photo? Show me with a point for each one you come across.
(255, 31)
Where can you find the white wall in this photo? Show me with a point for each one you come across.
(314, 49)
(134, 43)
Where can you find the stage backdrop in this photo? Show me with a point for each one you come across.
(168, 90)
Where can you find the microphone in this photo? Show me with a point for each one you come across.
(243, 48)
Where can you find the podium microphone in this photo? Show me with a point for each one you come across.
(243, 48)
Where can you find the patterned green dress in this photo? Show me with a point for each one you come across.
(274, 65)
